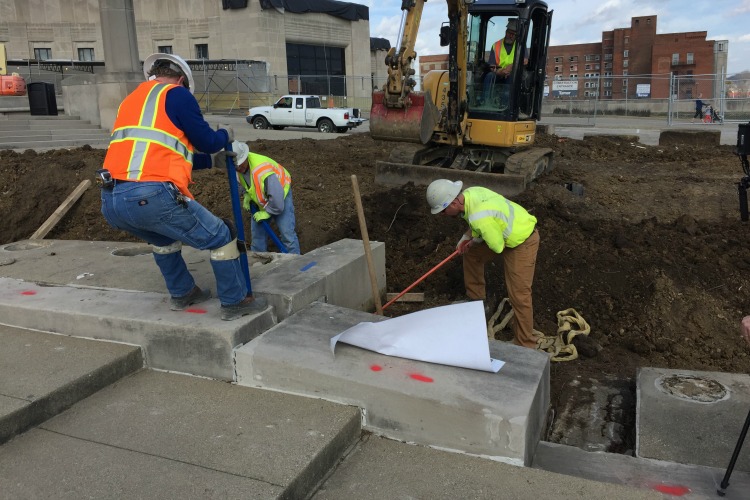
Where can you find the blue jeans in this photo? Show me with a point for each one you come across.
(286, 223)
(150, 211)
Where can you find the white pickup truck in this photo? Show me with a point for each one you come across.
(303, 111)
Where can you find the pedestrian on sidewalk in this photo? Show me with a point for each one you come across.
(496, 226)
(268, 186)
(154, 146)
(698, 109)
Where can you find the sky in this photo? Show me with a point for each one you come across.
(582, 21)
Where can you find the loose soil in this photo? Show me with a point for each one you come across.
(653, 255)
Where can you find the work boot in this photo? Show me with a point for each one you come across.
(251, 305)
(195, 296)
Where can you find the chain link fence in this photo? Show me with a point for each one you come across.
(669, 97)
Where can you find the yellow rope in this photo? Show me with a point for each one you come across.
(560, 347)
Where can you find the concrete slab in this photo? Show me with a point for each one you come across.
(678, 411)
(91, 289)
(689, 137)
(42, 374)
(497, 415)
(281, 442)
(673, 479)
(44, 464)
(379, 468)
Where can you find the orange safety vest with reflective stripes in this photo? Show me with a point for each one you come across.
(145, 144)
(502, 58)
(260, 168)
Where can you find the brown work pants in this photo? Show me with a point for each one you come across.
(519, 263)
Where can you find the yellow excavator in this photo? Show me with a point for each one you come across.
(479, 116)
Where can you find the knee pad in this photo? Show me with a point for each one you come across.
(173, 248)
(226, 252)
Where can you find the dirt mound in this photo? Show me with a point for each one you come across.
(653, 254)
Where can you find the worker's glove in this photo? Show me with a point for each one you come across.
(246, 201)
(463, 244)
(230, 132)
(261, 215)
(219, 160)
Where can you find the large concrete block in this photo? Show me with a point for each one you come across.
(500, 415)
(691, 417)
(680, 137)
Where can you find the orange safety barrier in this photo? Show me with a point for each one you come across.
(12, 85)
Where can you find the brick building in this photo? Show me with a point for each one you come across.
(637, 62)
(429, 63)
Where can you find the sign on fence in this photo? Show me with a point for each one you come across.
(643, 90)
(567, 88)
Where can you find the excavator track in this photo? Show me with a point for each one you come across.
(520, 170)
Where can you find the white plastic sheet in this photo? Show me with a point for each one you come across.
(454, 335)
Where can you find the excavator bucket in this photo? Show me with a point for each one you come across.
(413, 123)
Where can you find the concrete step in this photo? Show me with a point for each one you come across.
(378, 468)
(671, 478)
(499, 415)
(14, 117)
(43, 374)
(66, 135)
(51, 126)
(55, 144)
(162, 435)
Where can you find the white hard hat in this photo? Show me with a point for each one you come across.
(441, 193)
(180, 63)
(242, 151)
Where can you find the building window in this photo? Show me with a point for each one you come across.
(315, 64)
(625, 53)
(164, 49)
(624, 72)
(558, 69)
(627, 40)
(721, 47)
(607, 57)
(675, 58)
(42, 54)
(558, 60)
(573, 77)
(574, 67)
(625, 64)
(573, 59)
(608, 93)
(690, 58)
(588, 67)
(201, 51)
(85, 54)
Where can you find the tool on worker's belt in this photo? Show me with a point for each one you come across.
(425, 275)
(104, 178)
(743, 150)
(733, 460)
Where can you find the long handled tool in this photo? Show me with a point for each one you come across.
(237, 212)
(366, 243)
(267, 227)
(733, 461)
(394, 299)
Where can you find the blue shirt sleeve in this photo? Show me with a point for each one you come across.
(183, 110)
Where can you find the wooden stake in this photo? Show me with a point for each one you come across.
(61, 211)
(366, 242)
(407, 297)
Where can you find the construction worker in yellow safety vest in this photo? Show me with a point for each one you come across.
(496, 226)
(502, 54)
(268, 185)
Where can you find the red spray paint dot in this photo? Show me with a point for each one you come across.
(421, 378)
(673, 490)
(28, 292)
(376, 368)
(196, 311)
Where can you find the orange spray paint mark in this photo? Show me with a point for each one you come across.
(376, 368)
(673, 490)
(196, 311)
(28, 292)
(421, 378)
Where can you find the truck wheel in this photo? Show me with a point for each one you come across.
(342, 130)
(326, 126)
(260, 123)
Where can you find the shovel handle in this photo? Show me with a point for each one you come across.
(394, 299)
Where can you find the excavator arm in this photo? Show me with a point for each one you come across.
(400, 73)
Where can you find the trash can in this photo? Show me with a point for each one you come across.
(42, 99)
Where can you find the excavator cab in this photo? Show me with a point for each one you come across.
(480, 114)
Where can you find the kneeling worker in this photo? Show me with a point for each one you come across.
(496, 226)
(269, 186)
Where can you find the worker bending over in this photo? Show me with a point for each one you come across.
(496, 226)
(268, 186)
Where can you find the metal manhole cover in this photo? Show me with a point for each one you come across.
(693, 388)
